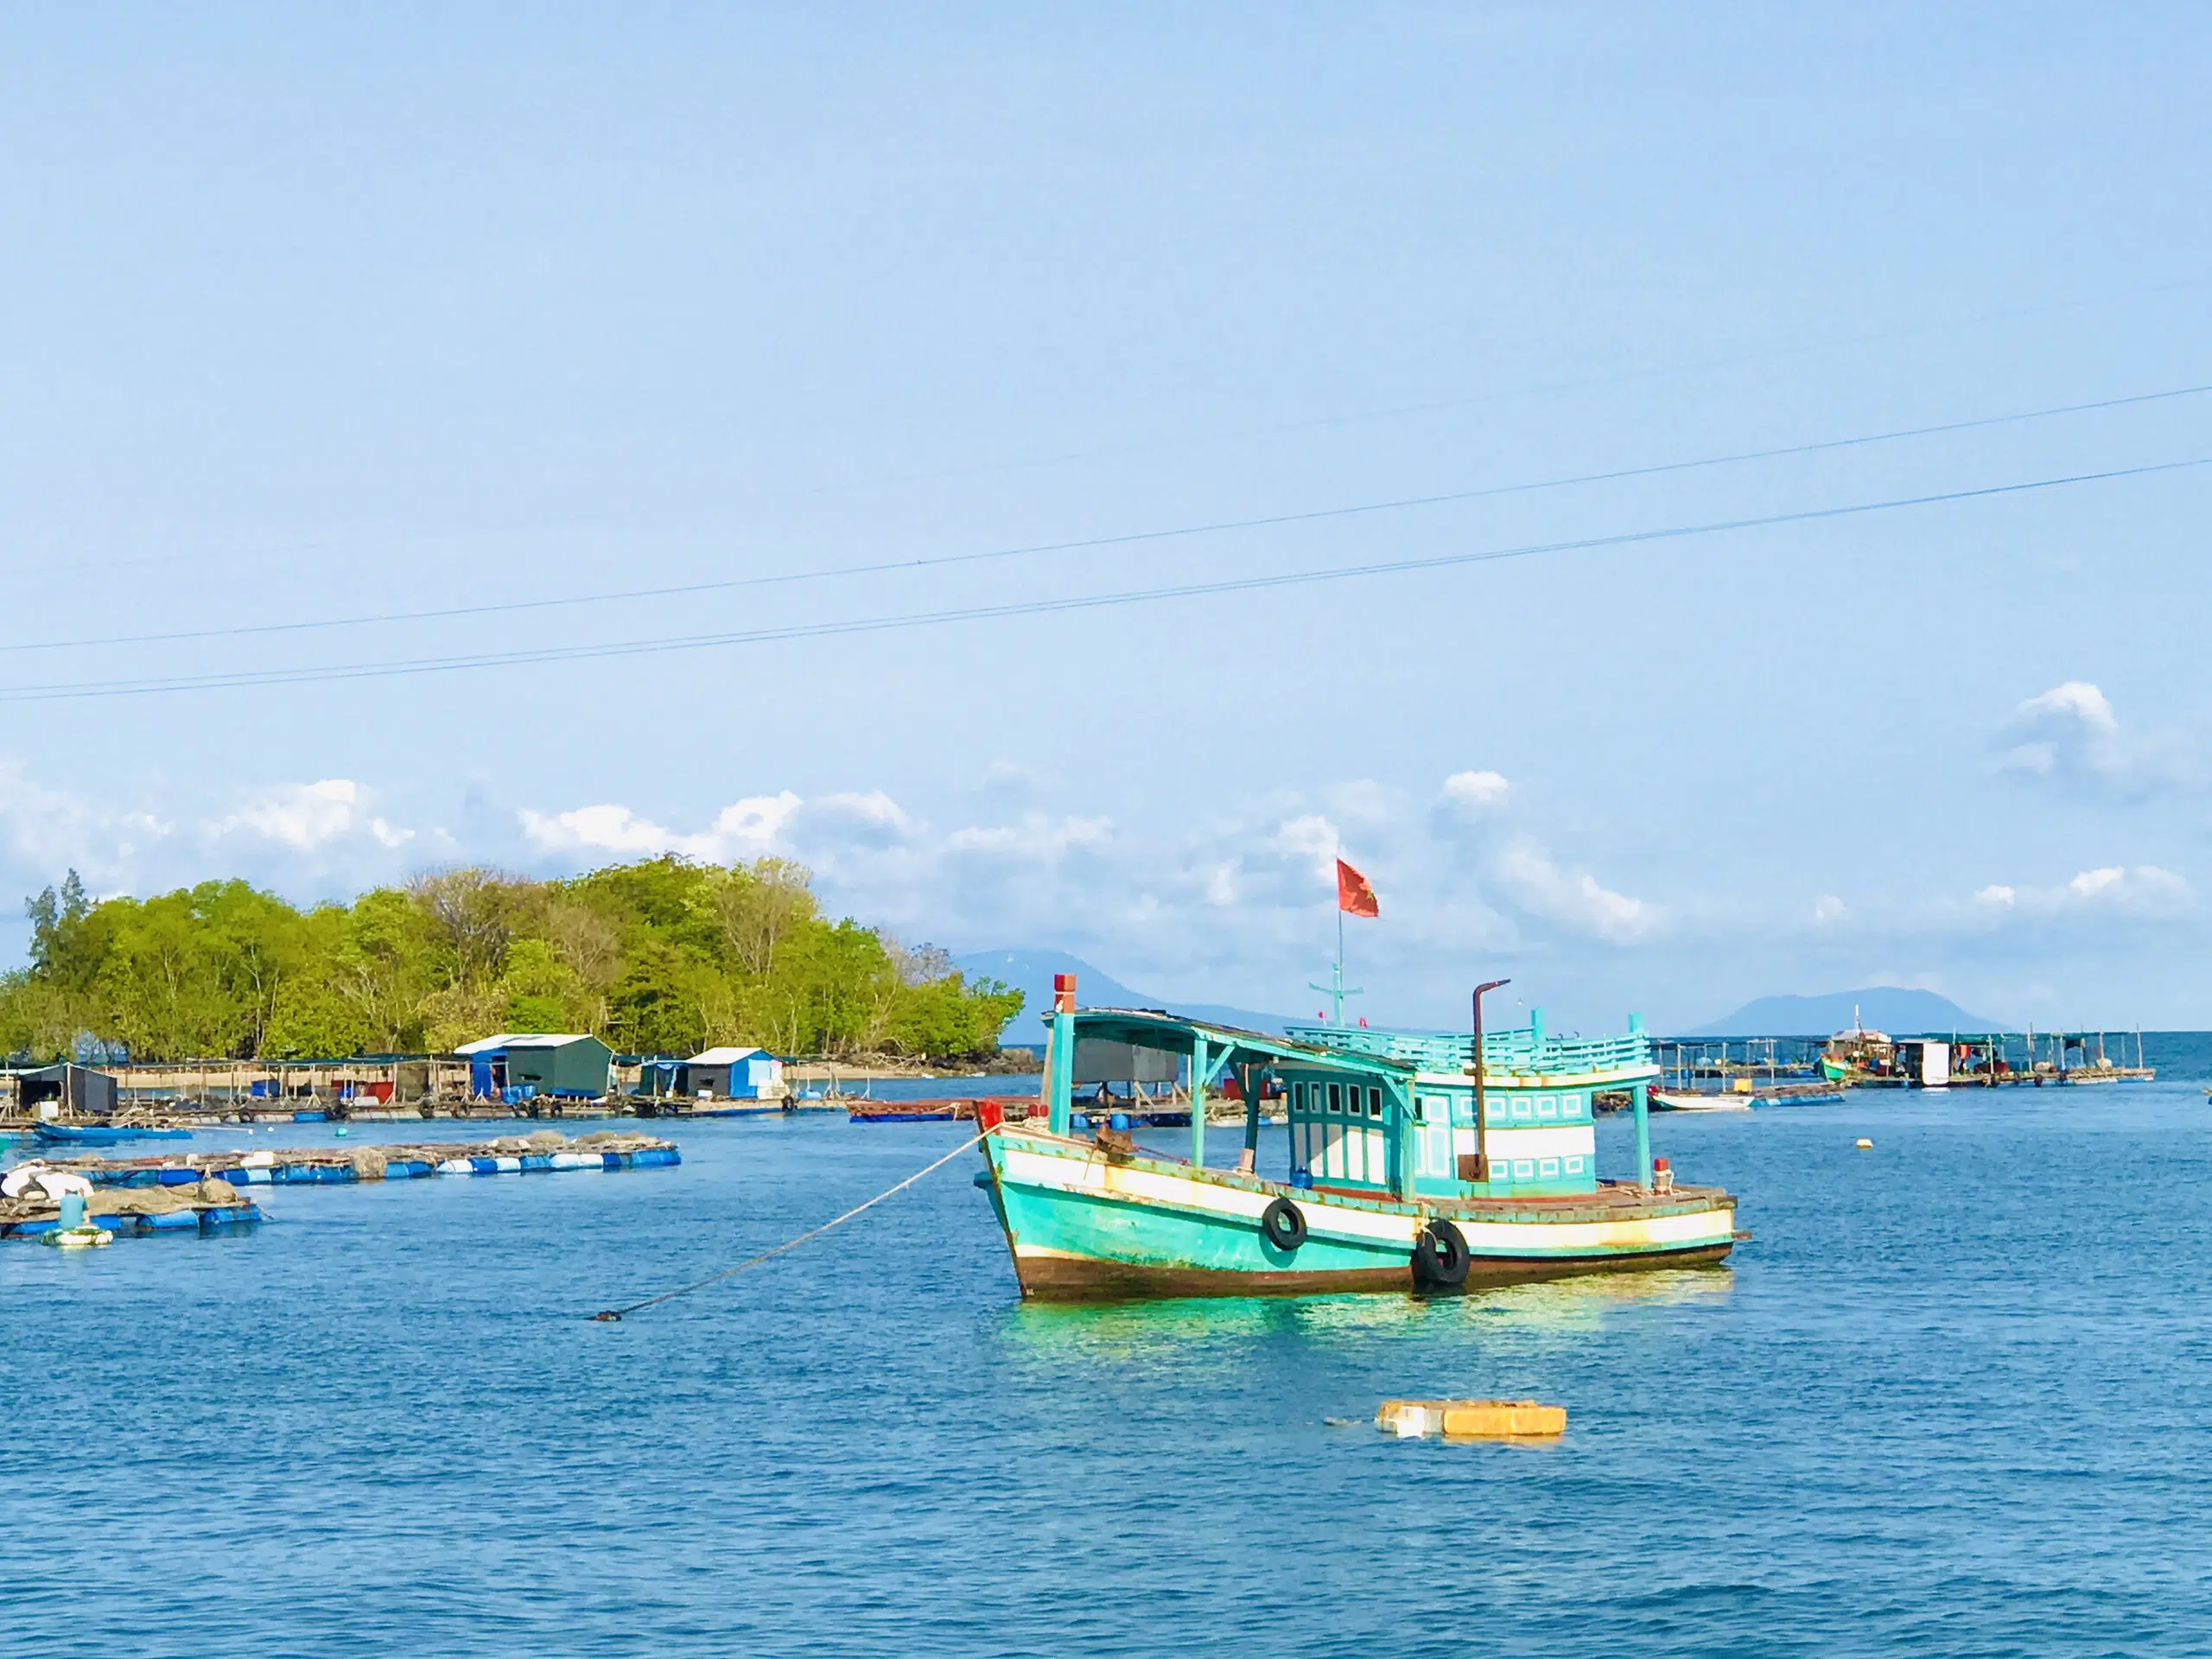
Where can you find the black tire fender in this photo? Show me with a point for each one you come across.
(1440, 1256)
(1284, 1224)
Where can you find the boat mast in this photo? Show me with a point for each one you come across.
(1339, 990)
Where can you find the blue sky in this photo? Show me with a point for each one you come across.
(316, 316)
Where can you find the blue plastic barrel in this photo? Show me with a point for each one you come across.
(1118, 1120)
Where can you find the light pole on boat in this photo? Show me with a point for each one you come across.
(1482, 1144)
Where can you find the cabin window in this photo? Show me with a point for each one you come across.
(1375, 1103)
(1336, 1098)
(1298, 1096)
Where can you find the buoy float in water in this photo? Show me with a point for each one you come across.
(1866, 1145)
(1484, 1420)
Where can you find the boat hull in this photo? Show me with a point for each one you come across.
(1674, 1100)
(1084, 1225)
(1048, 1278)
(88, 1134)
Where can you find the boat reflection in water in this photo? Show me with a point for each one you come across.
(1188, 1327)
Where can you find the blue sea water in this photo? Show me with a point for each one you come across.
(1954, 1397)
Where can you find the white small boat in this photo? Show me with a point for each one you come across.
(1664, 1100)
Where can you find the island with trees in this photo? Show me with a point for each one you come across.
(661, 956)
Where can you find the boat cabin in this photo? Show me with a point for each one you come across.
(1386, 1114)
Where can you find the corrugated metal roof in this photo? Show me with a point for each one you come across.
(525, 1039)
(722, 1055)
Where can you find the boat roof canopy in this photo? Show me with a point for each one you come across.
(1174, 1033)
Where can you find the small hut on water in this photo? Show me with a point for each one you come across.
(571, 1065)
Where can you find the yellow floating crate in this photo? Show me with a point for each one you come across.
(1488, 1420)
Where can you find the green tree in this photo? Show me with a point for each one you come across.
(655, 1005)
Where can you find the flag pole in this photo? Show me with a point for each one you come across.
(1337, 990)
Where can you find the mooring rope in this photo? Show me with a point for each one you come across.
(618, 1313)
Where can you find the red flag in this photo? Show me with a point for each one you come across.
(1354, 896)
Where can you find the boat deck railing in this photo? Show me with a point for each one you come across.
(1523, 1050)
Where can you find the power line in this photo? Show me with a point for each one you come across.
(1212, 527)
(316, 673)
(1344, 418)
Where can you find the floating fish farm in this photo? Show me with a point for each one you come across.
(208, 1190)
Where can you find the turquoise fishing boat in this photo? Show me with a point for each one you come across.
(1416, 1160)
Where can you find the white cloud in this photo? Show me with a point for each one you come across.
(310, 816)
(743, 830)
(748, 828)
(1575, 899)
(2077, 702)
(2143, 891)
(1313, 840)
(1036, 838)
(46, 829)
(2094, 884)
(2070, 735)
(1828, 908)
(873, 808)
(1476, 792)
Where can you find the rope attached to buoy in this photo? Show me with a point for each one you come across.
(615, 1315)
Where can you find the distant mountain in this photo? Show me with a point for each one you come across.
(1880, 1008)
(1031, 973)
